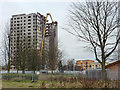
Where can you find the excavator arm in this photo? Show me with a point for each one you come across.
(43, 38)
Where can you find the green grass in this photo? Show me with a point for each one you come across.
(20, 76)
(13, 84)
(0, 84)
(58, 81)
(54, 84)
(25, 84)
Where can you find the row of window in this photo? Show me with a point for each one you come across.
(19, 21)
(24, 34)
(23, 44)
(22, 37)
(22, 21)
(18, 28)
(18, 24)
(21, 27)
(21, 17)
(29, 45)
(20, 31)
(24, 24)
(18, 18)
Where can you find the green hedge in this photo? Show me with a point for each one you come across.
(20, 76)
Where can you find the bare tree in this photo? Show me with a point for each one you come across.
(70, 64)
(60, 57)
(20, 53)
(6, 43)
(96, 23)
(26, 54)
(33, 59)
(44, 63)
(52, 57)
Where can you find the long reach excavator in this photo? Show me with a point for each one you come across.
(43, 38)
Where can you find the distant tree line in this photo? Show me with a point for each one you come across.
(69, 66)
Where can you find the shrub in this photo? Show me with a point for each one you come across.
(9, 76)
(19, 76)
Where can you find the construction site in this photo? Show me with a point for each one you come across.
(33, 41)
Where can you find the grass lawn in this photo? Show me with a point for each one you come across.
(54, 84)
(21, 84)
(0, 84)
(58, 81)
(28, 84)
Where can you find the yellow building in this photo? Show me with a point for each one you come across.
(89, 64)
(96, 65)
(84, 64)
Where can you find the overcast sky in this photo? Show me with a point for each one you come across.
(59, 10)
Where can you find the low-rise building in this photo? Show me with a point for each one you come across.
(84, 64)
(89, 64)
(97, 65)
(114, 69)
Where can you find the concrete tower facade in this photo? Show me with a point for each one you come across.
(28, 28)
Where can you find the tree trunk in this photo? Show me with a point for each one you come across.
(8, 67)
(103, 72)
(34, 71)
(23, 71)
(8, 71)
(17, 71)
(52, 72)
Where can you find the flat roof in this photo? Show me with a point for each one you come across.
(85, 60)
(18, 15)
